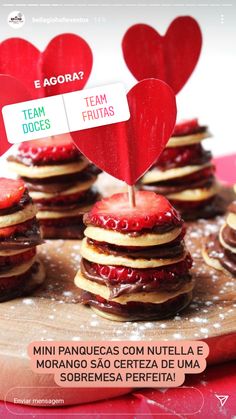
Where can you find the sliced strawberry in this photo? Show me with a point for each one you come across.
(21, 228)
(187, 126)
(11, 191)
(117, 274)
(49, 150)
(18, 259)
(182, 156)
(100, 299)
(115, 212)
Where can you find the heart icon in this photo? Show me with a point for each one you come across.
(126, 150)
(171, 57)
(12, 91)
(65, 54)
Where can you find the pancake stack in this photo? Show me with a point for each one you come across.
(134, 262)
(60, 181)
(20, 270)
(220, 249)
(184, 173)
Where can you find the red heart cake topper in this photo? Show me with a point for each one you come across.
(126, 150)
(12, 91)
(65, 54)
(20, 59)
(171, 57)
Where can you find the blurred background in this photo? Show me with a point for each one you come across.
(211, 90)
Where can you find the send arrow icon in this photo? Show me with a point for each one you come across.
(222, 398)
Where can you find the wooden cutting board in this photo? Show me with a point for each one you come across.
(53, 313)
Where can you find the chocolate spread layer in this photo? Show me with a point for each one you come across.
(169, 187)
(25, 200)
(88, 198)
(136, 310)
(119, 288)
(58, 184)
(229, 236)
(232, 207)
(216, 251)
(68, 179)
(165, 227)
(167, 251)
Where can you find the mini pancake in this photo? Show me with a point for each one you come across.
(60, 203)
(18, 217)
(187, 139)
(219, 258)
(229, 235)
(40, 172)
(11, 252)
(13, 287)
(118, 318)
(231, 220)
(156, 175)
(77, 187)
(45, 215)
(92, 254)
(142, 297)
(121, 239)
(200, 194)
(214, 263)
(168, 250)
(20, 269)
(222, 242)
(202, 209)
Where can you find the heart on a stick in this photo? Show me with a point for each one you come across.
(11, 91)
(126, 150)
(20, 59)
(171, 57)
(65, 55)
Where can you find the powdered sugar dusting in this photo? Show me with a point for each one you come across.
(54, 311)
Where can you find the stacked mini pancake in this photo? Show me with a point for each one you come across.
(184, 173)
(20, 270)
(220, 249)
(134, 262)
(60, 180)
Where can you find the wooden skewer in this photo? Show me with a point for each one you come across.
(131, 193)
